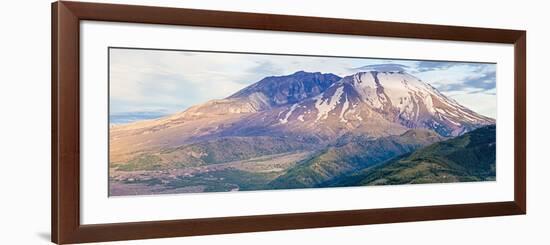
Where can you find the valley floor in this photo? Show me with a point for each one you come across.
(214, 177)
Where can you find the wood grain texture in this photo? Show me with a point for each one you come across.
(66, 17)
(67, 125)
(520, 123)
(54, 114)
(224, 19)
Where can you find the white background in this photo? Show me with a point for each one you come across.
(25, 122)
(97, 208)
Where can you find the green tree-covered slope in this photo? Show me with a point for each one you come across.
(470, 157)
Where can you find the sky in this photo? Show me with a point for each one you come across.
(145, 84)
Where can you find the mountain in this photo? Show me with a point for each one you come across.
(469, 157)
(282, 90)
(306, 130)
(377, 102)
(216, 118)
(349, 154)
(309, 109)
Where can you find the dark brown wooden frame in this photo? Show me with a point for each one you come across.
(65, 175)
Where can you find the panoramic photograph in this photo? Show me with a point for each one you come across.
(204, 121)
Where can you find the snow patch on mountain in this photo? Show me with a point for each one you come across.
(326, 105)
(288, 114)
(344, 109)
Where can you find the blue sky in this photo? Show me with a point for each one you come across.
(146, 84)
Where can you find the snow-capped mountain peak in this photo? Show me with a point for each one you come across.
(397, 97)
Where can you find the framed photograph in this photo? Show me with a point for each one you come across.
(176, 122)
